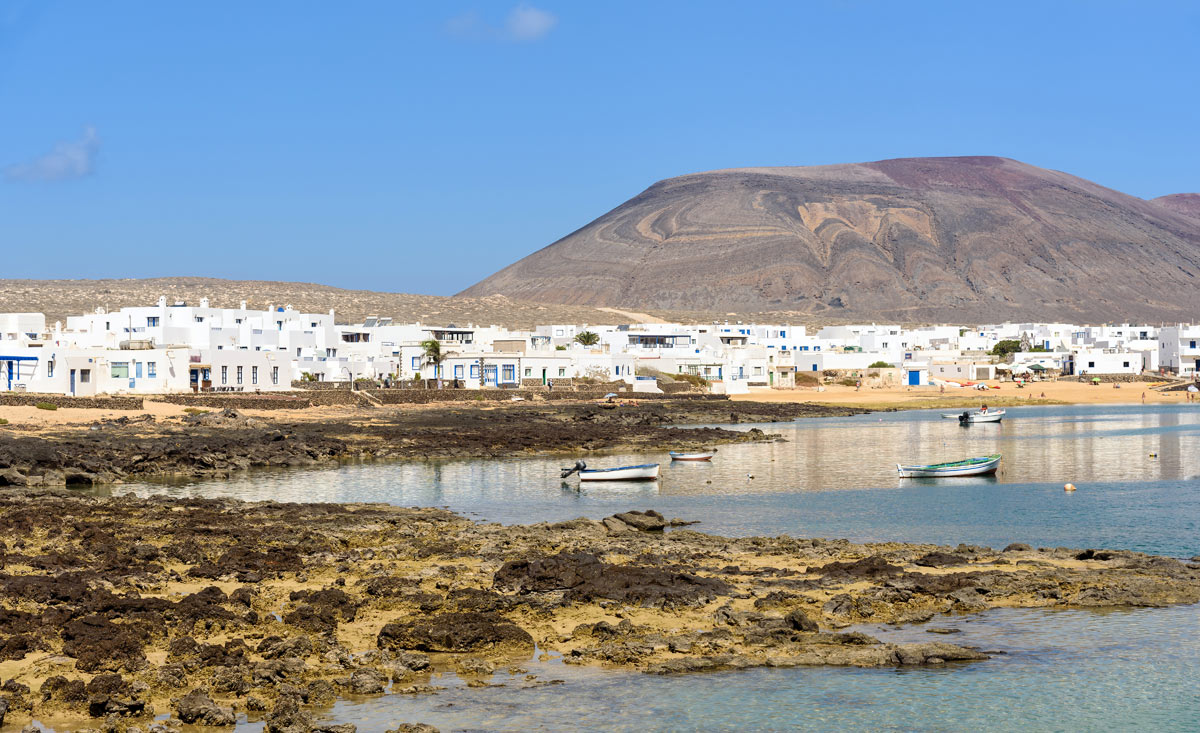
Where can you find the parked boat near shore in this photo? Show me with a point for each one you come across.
(696, 456)
(643, 472)
(967, 467)
(974, 416)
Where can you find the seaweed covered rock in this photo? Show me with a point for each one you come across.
(455, 632)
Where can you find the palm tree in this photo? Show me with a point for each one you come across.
(587, 338)
(432, 352)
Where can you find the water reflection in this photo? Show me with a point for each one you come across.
(826, 480)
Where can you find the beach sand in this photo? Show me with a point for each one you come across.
(1008, 394)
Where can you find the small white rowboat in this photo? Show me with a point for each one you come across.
(967, 467)
(699, 456)
(646, 472)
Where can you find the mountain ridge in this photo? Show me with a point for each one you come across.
(963, 239)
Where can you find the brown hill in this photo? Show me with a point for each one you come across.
(1181, 203)
(975, 239)
(61, 298)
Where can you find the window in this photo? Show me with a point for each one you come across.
(474, 371)
(1192, 345)
(120, 370)
(458, 372)
(1091, 365)
(85, 376)
(1126, 365)
(528, 372)
(151, 321)
(416, 363)
(238, 320)
(562, 371)
(49, 369)
(151, 369)
(224, 375)
(254, 375)
(510, 373)
(199, 319)
(757, 371)
(239, 375)
(274, 375)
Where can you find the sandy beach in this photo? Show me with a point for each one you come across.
(1001, 394)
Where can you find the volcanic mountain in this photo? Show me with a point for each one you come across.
(962, 240)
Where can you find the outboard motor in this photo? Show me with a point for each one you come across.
(579, 466)
(964, 419)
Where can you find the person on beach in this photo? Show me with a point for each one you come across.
(858, 385)
(1143, 398)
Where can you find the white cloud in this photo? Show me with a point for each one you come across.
(71, 159)
(527, 23)
(522, 24)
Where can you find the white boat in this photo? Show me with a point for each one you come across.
(971, 416)
(966, 467)
(698, 456)
(644, 472)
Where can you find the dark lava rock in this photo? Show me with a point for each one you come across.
(197, 708)
(62, 690)
(413, 728)
(98, 645)
(454, 632)
(287, 717)
(274, 647)
(586, 578)
(647, 521)
(1095, 555)
(800, 621)
(1018, 547)
(367, 682)
(274, 671)
(869, 567)
(938, 559)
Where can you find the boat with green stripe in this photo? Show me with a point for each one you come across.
(966, 467)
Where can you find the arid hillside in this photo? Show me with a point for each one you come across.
(977, 239)
(61, 298)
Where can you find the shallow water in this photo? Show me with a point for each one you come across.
(837, 478)
(1061, 670)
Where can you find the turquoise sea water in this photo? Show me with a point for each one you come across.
(1138, 475)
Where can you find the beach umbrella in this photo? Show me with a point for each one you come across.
(1095, 380)
(1192, 388)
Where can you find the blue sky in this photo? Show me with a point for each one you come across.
(418, 147)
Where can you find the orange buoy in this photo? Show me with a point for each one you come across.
(1069, 487)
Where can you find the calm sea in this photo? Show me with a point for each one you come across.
(1137, 470)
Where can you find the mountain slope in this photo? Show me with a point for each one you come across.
(917, 239)
(1187, 204)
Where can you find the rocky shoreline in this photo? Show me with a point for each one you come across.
(115, 610)
(216, 444)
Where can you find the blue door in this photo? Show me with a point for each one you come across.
(914, 378)
(72, 381)
(490, 372)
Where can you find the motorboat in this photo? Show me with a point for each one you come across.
(966, 467)
(643, 472)
(973, 416)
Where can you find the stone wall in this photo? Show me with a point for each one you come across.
(115, 402)
(239, 401)
(1123, 378)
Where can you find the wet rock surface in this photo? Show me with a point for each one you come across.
(200, 607)
(220, 443)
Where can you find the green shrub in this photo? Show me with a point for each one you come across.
(880, 365)
(46, 406)
(693, 379)
(195, 411)
(807, 378)
(3, 421)
(848, 382)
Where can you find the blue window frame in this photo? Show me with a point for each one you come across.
(474, 371)
(510, 373)
(151, 321)
(151, 369)
(416, 363)
(458, 372)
